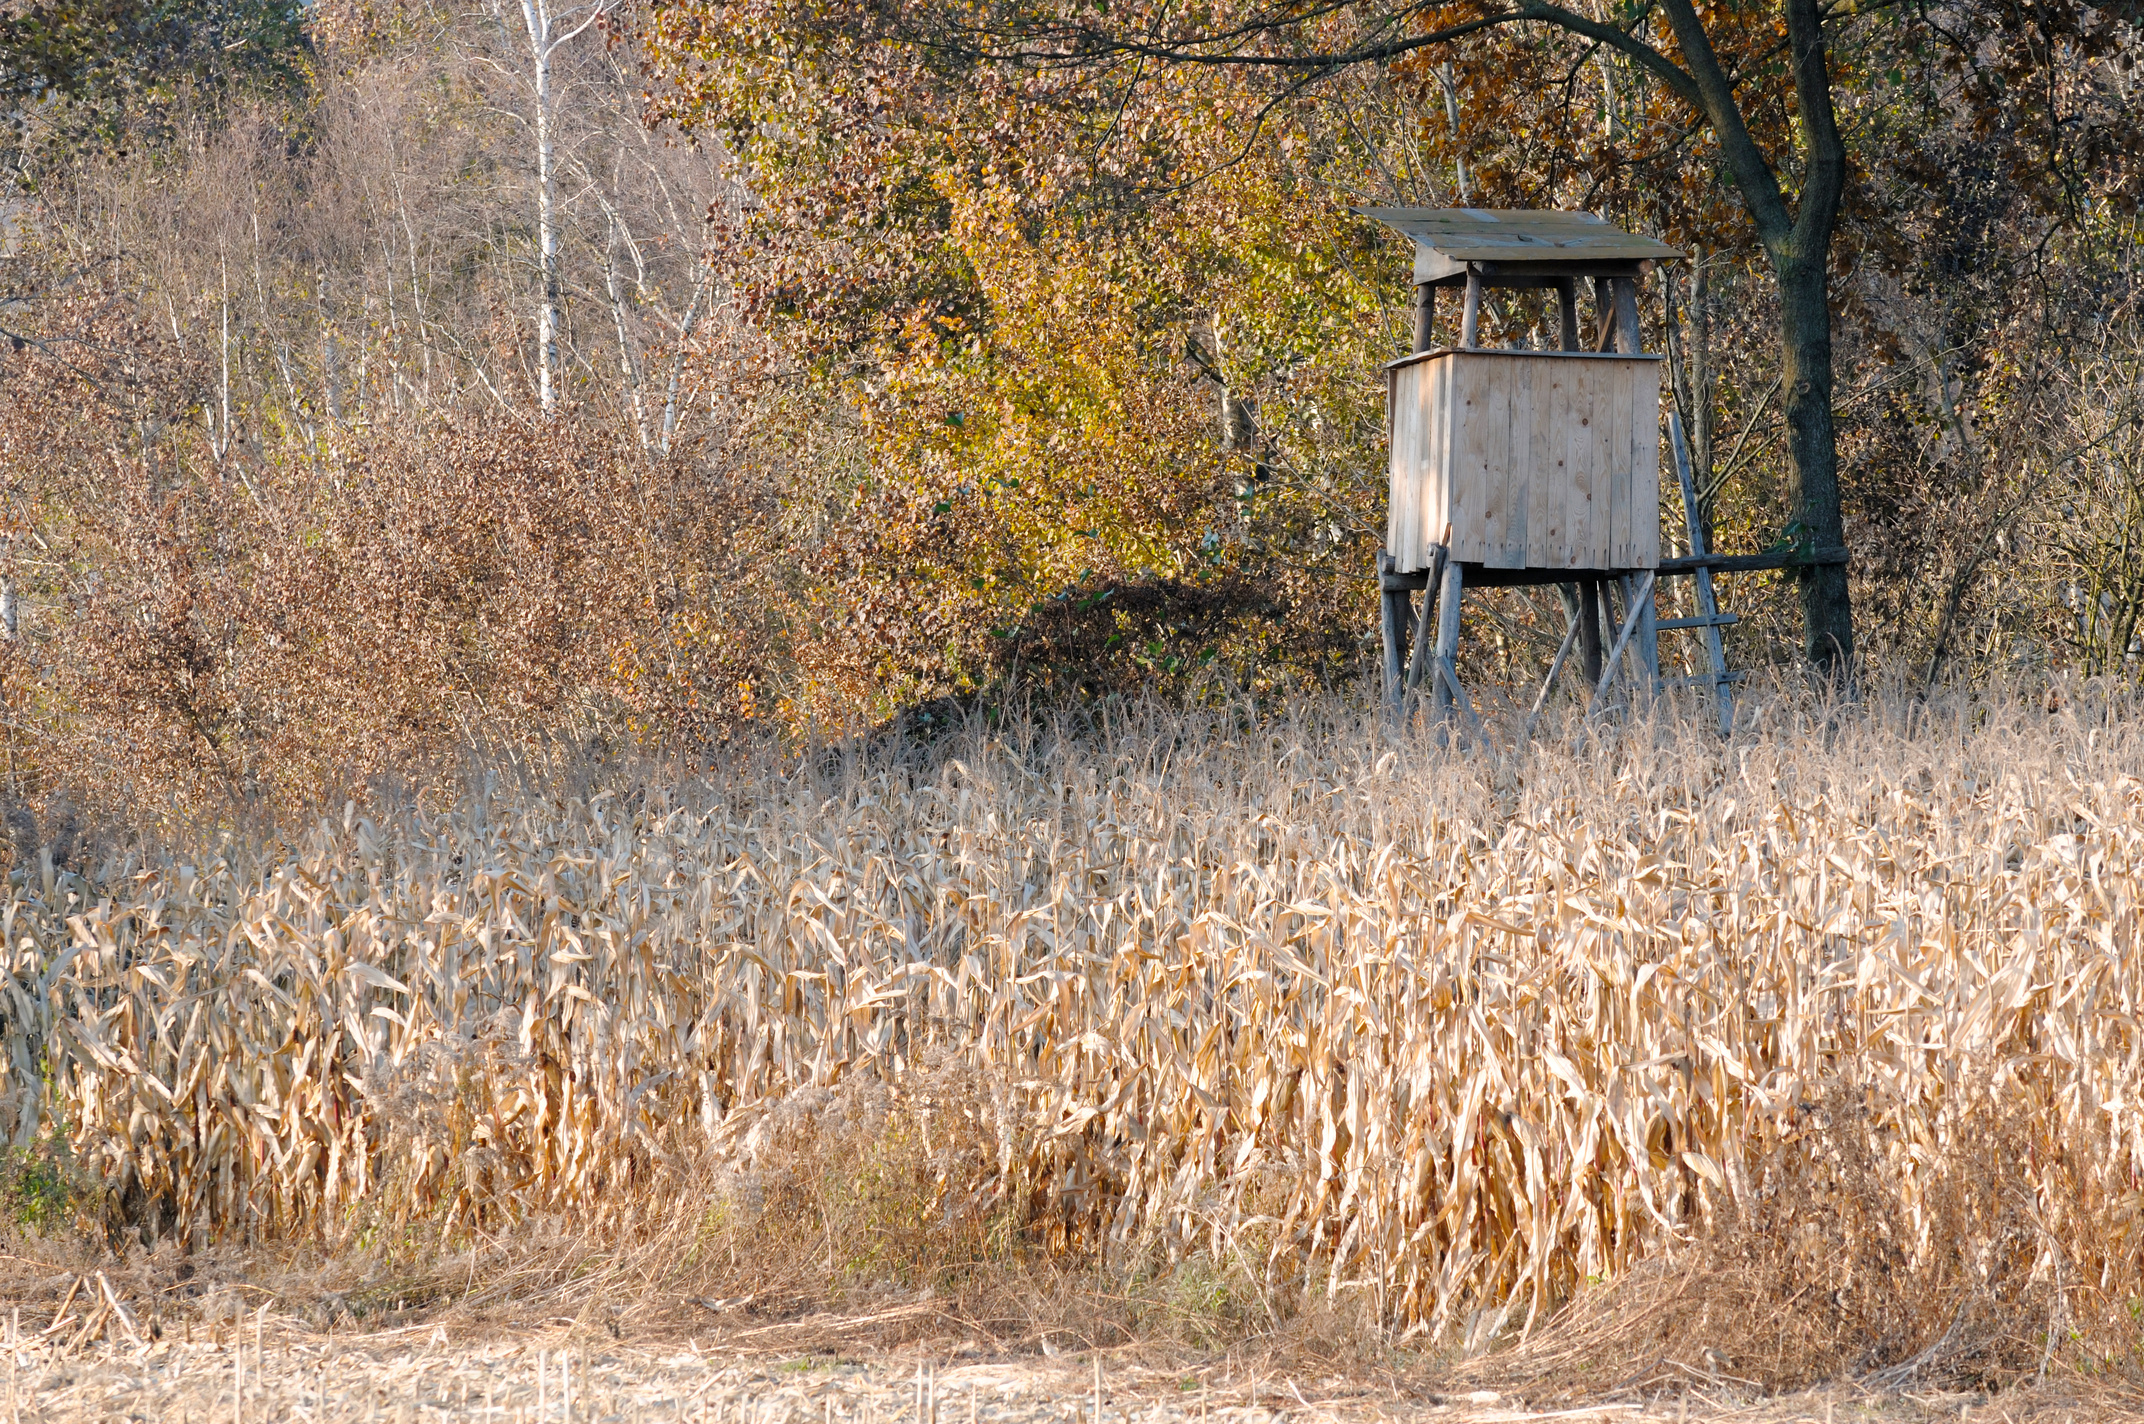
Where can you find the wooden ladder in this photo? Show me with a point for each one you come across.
(1709, 620)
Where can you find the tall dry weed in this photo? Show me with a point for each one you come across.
(1440, 1038)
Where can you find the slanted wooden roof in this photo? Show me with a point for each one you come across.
(1517, 241)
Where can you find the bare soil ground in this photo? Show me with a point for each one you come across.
(561, 1372)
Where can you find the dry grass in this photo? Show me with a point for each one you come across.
(1821, 1045)
(531, 1378)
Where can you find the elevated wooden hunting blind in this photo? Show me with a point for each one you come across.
(1541, 462)
(1521, 465)
(1525, 466)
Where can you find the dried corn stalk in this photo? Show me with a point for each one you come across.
(1439, 1032)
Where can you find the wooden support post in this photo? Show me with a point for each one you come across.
(1470, 319)
(1708, 606)
(1448, 598)
(1625, 293)
(1425, 314)
(1567, 308)
(1584, 605)
(1603, 314)
(1392, 605)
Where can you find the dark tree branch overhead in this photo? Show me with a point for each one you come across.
(1654, 62)
(1081, 45)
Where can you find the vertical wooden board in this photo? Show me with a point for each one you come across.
(1616, 454)
(1496, 461)
(1645, 454)
(1462, 502)
(1633, 517)
(1495, 474)
(1401, 443)
(1626, 472)
(1608, 479)
(1437, 476)
(1600, 418)
(1418, 399)
(1486, 395)
(1452, 417)
(1425, 467)
(1578, 441)
(1605, 463)
(1566, 497)
(1407, 493)
(1517, 474)
(1635, 507)
(1549, 464)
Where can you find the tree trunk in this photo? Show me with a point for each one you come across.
(546, 224)
(1799, 244)
(1812, 446)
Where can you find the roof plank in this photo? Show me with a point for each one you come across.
(1459, 235)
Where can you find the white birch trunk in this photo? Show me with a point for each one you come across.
(545, 41)
(546, 216)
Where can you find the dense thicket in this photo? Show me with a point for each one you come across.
(888, 366)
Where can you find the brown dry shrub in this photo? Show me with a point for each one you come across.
(1121, 636)
(875, 1183)
(275, 625)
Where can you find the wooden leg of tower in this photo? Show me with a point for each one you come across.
(1589, 629)
(1624, 293)
(1448, 598)
(1399, 613)
(1470, 315)
(1392, 611)
(1574, 609)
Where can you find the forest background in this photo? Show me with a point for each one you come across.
(384, 381)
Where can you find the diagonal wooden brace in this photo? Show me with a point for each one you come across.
(1622, 639)
(1459, 695)
(1418, 661)
(1548, 684)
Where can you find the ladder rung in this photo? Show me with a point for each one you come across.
(1707, 680)
(1717, 620)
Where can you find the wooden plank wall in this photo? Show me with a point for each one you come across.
(1421, 422)
(1538, 461)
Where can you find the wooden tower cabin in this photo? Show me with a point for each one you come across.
(1515, 465)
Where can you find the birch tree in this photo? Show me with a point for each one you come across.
(549, 33)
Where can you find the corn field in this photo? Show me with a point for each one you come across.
(1428, 1030)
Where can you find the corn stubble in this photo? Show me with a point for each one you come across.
(1847, 1010)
